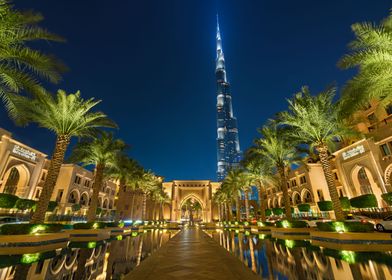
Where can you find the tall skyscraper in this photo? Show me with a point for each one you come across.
(228, 144)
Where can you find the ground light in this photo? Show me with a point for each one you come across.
(285, 224)
(289, 243)
(348, 256)
(38, 229)
(339, 227)
(30, 258)
(91, 244)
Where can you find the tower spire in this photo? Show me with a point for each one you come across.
(220, 59)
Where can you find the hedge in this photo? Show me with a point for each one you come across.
(277, 211)
(75, 207)
(345, 226)
(115, 224)
(345, 203)
(52, 205)
(304, 207)
(292, 224)
(16, 229)
(98, 211)
(25, 204)
(7, 200)
(387, 197)
(364, 201)
(325, 205)
(90, 225)
(268, 212)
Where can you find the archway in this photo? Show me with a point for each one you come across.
(306, 196)
(388, 177)
(84, 199)
(16, 180)
(296, 198)
(73, 196)
(364, 183)
(191, 209)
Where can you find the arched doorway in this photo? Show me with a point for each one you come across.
(191, 209)
(16, 180)
(364, 183)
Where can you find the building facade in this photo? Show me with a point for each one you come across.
(23, 172)
(228, 145)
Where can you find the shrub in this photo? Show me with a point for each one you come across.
(99, 211)
(90, 225)
(387, 197)
(52, 205)
(325, 205)
(268, 212)
(25, 204)
(364, 201)
(304, 207)
(7, 200)
(75, 207)
(115, 224)
(265, 224)
(345, 203)
(277, 211)
(292, 224)
(345, 226)
(16, 229)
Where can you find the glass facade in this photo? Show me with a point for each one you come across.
(228, 145)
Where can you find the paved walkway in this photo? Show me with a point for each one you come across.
(190, 255)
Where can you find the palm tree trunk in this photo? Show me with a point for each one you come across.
(326, 165)
(237, 208)
(132, 205)
(262, 203)
(62, 143)
(121, 201)
(144, 207)
(247, 205)
(229, 211)
(97, 186)
(286, 198)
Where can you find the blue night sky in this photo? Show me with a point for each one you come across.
(152, 64)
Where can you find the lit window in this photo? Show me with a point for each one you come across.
(385, 150)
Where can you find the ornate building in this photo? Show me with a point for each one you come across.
(228, 144)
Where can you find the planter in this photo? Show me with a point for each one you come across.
(114, 231)
(31, 243)
(352, 241)
(291, 233)
(89, 234)
(266, 229)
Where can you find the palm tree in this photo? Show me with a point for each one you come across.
(372, 55)
(125, 170)
(162, 198)
(101, 152)
(219, 199)
(233, 185)
(66, 115)
(245, 181)
(276, 149)
(314, 120)
(21, 66)
(148, 183)
(261, 172)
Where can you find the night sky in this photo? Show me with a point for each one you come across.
(152, 64)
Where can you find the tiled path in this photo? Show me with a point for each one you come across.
(190, 255)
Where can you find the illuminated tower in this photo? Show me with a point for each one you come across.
(228, 144)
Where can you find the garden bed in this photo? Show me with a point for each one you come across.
(291, 233)
(80, 235)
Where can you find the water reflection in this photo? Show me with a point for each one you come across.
(109, 259)
(298, 259)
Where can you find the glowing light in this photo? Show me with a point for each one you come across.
(237, 231)
(138, 222)
(119, 237)
(260, 224)
(289, 243)
(348, 256)
(38, 229)
(247, 232)
(246, 224)
(134, 234)
(95, 225)
(339, 227)
(285, 224)
(91, 244)
(236, 223)
(30, 258)
(262, 236)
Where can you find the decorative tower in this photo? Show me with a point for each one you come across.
(228, 144)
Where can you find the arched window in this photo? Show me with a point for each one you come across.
(84, 199)
(297, 199)
(307, 197)
(12, 181)
(73, 197)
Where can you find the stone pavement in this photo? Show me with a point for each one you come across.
(191, 255)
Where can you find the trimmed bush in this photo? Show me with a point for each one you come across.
(115, 224)
(25, 204)
(16, 229)
(345, 203)
(304, 207)
(292, 224)
(387, 197)
(364, 201)
(325, 205)
(345, 226)
(52, 205)
(76, 207)
(99, 211)
(8, 200)
(90, 225)
(268, 212)
(277, 211)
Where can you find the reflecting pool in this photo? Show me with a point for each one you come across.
(298, 259)
(108, 259)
